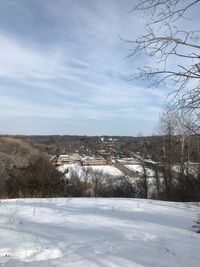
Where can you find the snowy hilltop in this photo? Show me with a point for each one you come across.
(99, 232)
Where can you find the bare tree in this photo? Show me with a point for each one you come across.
(97, 178)
(157, 180)
(176, 50)
(145, 180)
(3, 177)
(168, 129)
(86, 176)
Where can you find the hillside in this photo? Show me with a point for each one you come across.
(98, 233)
(15, 150)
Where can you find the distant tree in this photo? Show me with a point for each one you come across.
(145, 180)
(39, 179)
(167, 128)
(118, 187)
(75, 185)
(97, 179)
(86, 177)
(3, 178)
(144, 185)
(157, 180)
(179, 181)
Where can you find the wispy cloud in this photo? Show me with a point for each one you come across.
(67, 64)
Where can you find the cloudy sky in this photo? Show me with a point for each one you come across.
(64, 69)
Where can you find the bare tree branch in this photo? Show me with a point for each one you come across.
(165, 41)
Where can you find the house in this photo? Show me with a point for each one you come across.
(68, 159)
(89, 161)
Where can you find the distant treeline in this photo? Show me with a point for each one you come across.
(148, 146)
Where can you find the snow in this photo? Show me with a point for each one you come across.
(193, 169)
(128, 161)
(150, 161)
(108, 169)
(105, 169)
(138, 168)
(98, 233)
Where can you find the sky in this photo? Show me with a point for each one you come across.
(64, 69)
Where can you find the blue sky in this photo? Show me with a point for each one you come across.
(64, 69)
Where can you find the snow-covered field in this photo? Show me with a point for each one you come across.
(105, 169)
(98, 233)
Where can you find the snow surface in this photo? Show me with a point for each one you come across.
(105, 169)
(98, 233)
(138, 168)
(128, 161)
